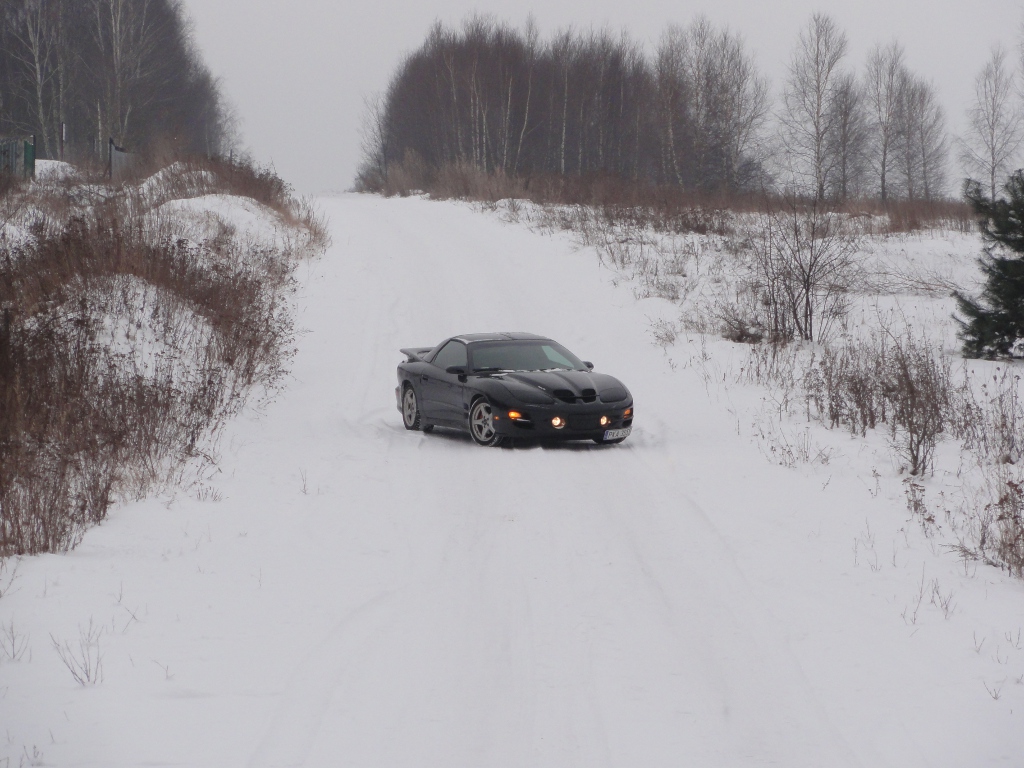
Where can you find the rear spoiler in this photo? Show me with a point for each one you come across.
(415, 354)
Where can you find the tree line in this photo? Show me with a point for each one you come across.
(76, 73)
(695, 113)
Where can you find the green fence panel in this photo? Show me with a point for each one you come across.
(18, 157)
(30, 160)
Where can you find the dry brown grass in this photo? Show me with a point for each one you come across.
(666, 207)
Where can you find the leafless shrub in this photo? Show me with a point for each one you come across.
(991, 422)
(847, 385)
(737, 324)
(993, 520)
(772, 365)
(914, 280)
(904, 382)
(804, 267)
(84, 660)
(788, 448)
(8, 574)
(122, 358)
(916, 504)
(918, 388)
(900, 380)
(664, 333)
(13, 644)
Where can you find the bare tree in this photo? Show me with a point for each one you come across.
(882, 83)
(920, 146)
(728, 103)
(805, 260)
(994, 128)
(122, 68)
(673, 101)
(375, 143)
(807, 114)
(34, 32)
(932, 144)
(530, 39)
(497, 100)
(848, 138)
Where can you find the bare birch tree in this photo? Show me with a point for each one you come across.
(807, 113)
(673, 101)
(36, 35)
(921, 145)
(848, 138)
(885, 75)
(994, 128)
(729, 103)
(126, 69)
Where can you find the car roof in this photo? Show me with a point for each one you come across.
(470, 338)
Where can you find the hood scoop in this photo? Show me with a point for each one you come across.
(568, 396)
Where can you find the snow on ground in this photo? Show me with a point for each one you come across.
(345, 592)
(194, 181)
(209, 216)
(54, 170)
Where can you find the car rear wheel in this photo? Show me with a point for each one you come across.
(410, 408)
(481, 424)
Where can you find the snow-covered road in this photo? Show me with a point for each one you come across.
(361, 595)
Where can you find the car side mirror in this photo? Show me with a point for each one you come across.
(589, 364)
(457, 370)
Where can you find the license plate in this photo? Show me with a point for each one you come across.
(615, 434)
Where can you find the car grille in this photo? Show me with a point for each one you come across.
(568, 396)
(584, 422)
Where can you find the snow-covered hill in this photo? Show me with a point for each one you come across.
(345, 592)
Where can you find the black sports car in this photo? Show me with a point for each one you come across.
(499, 386)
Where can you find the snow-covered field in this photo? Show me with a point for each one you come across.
(345, 592)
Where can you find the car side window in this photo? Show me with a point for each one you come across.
(452, 353)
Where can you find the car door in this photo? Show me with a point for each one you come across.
(442, 391)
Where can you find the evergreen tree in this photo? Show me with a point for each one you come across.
(995, 321)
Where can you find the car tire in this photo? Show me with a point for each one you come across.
(410, 408)
(481, 425)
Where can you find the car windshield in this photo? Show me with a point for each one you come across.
(522, 356)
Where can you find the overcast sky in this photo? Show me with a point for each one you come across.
(297, 72)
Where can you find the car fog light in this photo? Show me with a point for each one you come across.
(605, 421)
(558, 422)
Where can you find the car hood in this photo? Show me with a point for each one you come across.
(569, 386)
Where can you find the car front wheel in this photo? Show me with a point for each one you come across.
(481, 424)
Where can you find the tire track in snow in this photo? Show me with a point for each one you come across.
(711, 608)
(299, 716)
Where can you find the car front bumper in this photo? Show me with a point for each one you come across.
(582, 422)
